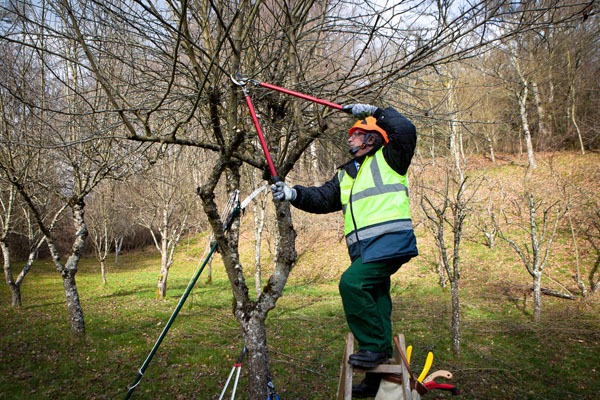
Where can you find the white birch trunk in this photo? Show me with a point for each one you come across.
(118, 246)
(571, 112)
(541, 111)
(522, 95)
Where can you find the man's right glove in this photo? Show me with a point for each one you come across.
(359, 110)
(282, 192)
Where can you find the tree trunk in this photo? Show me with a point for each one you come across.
(441, 270)
(537, 296)
(161, 289)
(522, 95)
(491, 150)
(259, 224)
(577, 274)
(541, 111)
(15, 289)
(118, 245)
(69, 270)
(455, 325)
(16, 300)
(455, 136)
(571, 107)
(255, 337)
(73, 303)
(8, 206)
(103, 271)
(522, 98)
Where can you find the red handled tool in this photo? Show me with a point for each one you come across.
(241, 81)
(431, 385)
(298, 94)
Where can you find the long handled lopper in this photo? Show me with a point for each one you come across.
(272, 394)
(237, 367)
(241, 81)
(234, 208)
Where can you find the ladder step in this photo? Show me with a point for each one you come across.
(395, 366)
(382, 369)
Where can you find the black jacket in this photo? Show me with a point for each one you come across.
(398, 153)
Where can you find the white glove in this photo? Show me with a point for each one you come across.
(282, 192)
(360, 110)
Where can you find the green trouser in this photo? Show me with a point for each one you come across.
(365, 292)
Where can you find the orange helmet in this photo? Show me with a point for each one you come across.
(369, 124)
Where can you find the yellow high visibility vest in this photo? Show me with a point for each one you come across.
(376, 211)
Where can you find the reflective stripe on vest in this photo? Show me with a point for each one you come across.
(374, 231)
(376, 202)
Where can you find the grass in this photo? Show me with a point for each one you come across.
(505, 355)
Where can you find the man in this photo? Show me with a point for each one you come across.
(372, 191)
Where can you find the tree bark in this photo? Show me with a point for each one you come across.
(103, 271)
(537, 296)
(259, 224)
(522, 98)
(69, 269)
(118, 244)
(255, 337)
(571, 112)
(543, 131)
(15, 289)
(455, 325)
(522, 94)
(161, 289)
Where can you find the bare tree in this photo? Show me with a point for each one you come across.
(540, 234)
(166, 201)
(522, 95)
(571, 109)
(103, 219)
(445, 207)
(166, 81)
(594, 237)
(28, 230)
(23, 165)
(486, 221)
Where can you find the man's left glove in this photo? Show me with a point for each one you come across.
(282, 192)
(360, 111)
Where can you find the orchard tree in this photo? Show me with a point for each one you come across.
(165, 201)
(164, 70)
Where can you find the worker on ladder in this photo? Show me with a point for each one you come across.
(372, 191)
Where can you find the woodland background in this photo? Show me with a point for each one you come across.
(121, 129)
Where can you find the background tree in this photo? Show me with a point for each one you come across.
(163, 71)
(165, 200)
(541, 232)
(103, 219)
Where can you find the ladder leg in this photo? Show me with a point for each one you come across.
(349, 369)
(344, 391)
(406, 390)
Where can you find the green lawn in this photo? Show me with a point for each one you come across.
(504, 354)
